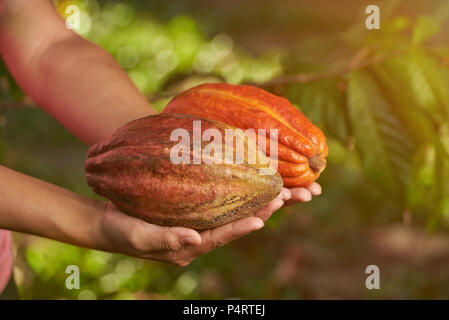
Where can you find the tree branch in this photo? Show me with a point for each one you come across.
(358, 61)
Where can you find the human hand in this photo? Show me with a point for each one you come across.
(304, 194)
(118, 232)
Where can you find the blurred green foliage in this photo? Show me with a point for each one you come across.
(381, 97)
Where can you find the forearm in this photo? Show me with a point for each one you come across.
(74, 80)
(33, 206)
(86, 90)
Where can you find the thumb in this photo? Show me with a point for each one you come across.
(174, 238)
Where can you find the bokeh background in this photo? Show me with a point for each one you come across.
(381, 97)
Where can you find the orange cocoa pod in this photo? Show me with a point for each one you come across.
(302, 147)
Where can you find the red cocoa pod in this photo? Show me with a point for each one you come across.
(302, 147)
(134, 169)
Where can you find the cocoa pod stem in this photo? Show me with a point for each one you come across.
(317, 164)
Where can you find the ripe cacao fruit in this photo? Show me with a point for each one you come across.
(302, 147)
(134, 168)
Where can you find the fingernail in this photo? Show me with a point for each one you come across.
(259, 224)
(315, 189)
(304, 195)
(307, 198)
(279, 205)
(287, 194)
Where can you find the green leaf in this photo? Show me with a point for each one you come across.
(420, 191)
(324, 105)
(428, 192)
(393, 81)
(425, 28)
(406, 74)
(381, 138)
(421, 88)
(439, 206)
(437, 76)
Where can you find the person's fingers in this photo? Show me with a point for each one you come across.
(212, 239)
(154, 238)
(315, 189)
(286, 194)
(265, 212)
(218, 237)
(180, 245)
(299, 195)
(275, 204)
(180, 258)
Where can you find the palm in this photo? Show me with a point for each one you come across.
(181, 245)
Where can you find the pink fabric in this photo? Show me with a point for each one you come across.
(5, 258)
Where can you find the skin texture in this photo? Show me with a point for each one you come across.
(302, 146)
(82, 86)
